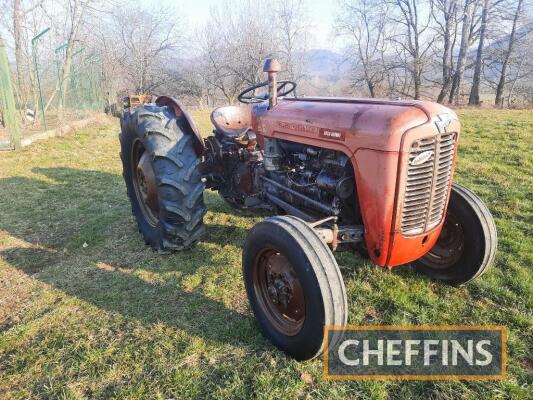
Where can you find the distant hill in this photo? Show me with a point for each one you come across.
(325, 64)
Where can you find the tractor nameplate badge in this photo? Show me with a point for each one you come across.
(331, 134)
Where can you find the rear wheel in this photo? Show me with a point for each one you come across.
(161, 171)
(294, 285)
(467, 243)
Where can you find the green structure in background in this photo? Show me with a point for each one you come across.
(34, 52)
(85, 89)
(75, 81)
(77, 96)
(92, 89)
(7, 99)
(57, 51)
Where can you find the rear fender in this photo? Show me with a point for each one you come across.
(180, 111)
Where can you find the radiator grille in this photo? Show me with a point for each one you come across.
(428, 180)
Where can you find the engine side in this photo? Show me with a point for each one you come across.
(317, 182)
(285, 177)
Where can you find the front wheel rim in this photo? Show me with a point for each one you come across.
(449, 247)
(279, 292)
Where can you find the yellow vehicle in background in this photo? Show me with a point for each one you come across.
(136, 100)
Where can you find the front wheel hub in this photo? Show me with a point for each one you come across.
(449, 247)
(280, 292)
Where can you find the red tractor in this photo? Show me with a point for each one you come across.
(366, 175)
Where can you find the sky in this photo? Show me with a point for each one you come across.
(321, 14)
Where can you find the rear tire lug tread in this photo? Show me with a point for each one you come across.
(168, 156)
(185, 214)
(195, 195)
(172, 183)
(183, 143)
(191, 169)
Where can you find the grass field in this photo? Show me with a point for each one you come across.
(87, 311)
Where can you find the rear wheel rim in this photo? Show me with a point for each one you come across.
(279, 292)
(144, 183)
(449, 247)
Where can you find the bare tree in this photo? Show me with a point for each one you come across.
(292, 37)
(466, 40)
(445, 17)
(232, 56)
(414, 48)
(413, 39)
(145, 43)
(19, 13)
(507, 55)
(363, 23)
(74, 11)
(476, 80)
(215, 64)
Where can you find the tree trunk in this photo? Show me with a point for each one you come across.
(370, 85)
(501, 83)
(465, 33)
(450, 10)
(77, 11)
(474, 91)
(19, 56)
(445, 66)
(417, 78)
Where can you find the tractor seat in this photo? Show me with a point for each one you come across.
(232, 121)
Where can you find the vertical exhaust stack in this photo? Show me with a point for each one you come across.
(272, 67)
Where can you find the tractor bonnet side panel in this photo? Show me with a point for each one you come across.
(340, 123)
(377, 136)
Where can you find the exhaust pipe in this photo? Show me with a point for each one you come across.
(272, 67)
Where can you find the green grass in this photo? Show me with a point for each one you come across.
(88, 311)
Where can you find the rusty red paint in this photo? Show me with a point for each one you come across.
(377, 136)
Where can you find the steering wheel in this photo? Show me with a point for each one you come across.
(247, 96)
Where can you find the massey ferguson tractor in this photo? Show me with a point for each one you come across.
(365, 175)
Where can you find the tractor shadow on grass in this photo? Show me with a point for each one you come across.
(79, 237)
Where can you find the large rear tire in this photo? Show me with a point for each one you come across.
(161, 171)
(467, 243)
(294, 285)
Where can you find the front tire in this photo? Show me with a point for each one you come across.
(294, 285)
(163, 181)
(467, 243)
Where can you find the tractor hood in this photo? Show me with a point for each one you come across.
(350, 123)
(378, 136)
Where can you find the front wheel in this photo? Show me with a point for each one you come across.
(294, 285)
(467, 243)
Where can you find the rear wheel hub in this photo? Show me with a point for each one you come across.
(144, 182)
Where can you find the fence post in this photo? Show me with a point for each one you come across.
(33, 43)
(7, 99)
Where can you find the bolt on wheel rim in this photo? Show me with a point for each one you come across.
(279, 291)
(144, 183)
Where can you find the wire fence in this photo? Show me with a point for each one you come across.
(50, 92)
